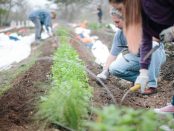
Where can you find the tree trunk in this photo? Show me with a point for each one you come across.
(8, 12)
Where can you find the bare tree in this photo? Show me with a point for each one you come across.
(3, 10)
(9, 7)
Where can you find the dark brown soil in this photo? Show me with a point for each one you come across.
(18, 104)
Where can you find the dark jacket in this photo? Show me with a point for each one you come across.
(157, 15)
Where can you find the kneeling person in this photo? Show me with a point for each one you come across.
(123, 64)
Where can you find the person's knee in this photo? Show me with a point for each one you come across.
(114, 71)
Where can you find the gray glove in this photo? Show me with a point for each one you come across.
(103, 75)
(167, 35)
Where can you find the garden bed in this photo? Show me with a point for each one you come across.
(18, 103)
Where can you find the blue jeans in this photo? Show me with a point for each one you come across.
(38, 27)
(127, 67)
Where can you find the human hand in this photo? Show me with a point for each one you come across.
(44, 29)
(142, 79)
(50, 32)
(103, 75)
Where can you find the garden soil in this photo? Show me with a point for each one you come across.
(18, 104)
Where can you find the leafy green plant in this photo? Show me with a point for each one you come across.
(63, 31)
(71, 66)
(67, 102)
(127, 119)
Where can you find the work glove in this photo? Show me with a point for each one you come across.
(103, 75)
(167, 35)
(44, 29)
(142, 79)
(50, 32)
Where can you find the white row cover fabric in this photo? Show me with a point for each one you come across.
(14, 51)
(99, 50)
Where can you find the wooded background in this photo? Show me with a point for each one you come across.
(67, 10)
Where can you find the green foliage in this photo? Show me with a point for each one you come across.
(124, 119)
(62, 32)
(70, 65)
(68, 101)
(3, 1)
(95, 26)
(2, 11)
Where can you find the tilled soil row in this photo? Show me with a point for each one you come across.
(18, 103)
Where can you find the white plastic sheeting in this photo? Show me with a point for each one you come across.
(85, 32)
(100, 52)
(12, 51)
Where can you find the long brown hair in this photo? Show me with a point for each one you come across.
(133, 24)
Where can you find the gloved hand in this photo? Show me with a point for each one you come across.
(103, 75)
(44, 29)
(167, 35)
(142, 79)
(50, 32)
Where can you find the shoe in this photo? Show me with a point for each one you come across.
(150, 91)
(166, 109)
(37, 42)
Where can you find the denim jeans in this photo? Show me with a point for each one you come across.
(38, 27)
(127, 66)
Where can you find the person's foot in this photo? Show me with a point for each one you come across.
(37, 42)
(150, 91)
(166, 109)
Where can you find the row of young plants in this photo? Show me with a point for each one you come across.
(67, 102)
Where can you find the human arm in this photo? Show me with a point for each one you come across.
(48, 23)
(146, 46)
(109, 60)
(119, 40)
